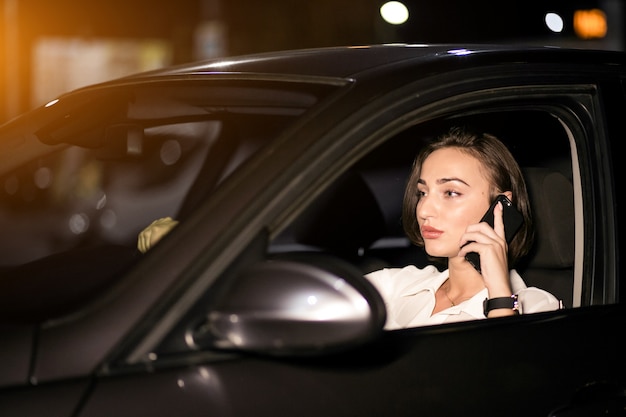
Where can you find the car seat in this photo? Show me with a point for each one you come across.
(550, 264)
(343, 219)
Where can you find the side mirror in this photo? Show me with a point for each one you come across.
(302, 304)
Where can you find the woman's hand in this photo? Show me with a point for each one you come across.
(149, 236)
(491, 246)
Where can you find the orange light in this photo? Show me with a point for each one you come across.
(590, 24)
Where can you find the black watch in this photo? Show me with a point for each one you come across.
(501, 302)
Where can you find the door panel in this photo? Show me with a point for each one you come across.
(498, 368)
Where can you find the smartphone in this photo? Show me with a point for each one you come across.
(512, 218)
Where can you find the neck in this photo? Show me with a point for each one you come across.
(463, 281)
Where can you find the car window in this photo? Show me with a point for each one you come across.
(359, 217)
(84, 175)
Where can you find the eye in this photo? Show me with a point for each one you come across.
(451, 193)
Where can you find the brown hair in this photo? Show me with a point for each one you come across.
(501, 169)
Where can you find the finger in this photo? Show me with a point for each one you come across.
(147, 238)
(498, 221)
(480, 232)
(469, 246)
(140, 243)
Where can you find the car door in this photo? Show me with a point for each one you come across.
(549, 363)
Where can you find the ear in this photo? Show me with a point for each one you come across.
(508, 195)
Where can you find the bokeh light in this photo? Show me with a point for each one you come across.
(554, 22)
(394, 12)
(590, 24)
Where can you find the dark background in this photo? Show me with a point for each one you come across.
(264, 25)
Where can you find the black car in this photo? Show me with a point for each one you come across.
(286, 171)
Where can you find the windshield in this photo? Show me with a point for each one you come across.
(95, 168)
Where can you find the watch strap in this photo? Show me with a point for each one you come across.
(501, 302)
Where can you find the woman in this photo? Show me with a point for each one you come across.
(452, 184)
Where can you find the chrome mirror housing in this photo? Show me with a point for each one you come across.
(296, 306)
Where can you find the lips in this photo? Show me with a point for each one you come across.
(429, 232)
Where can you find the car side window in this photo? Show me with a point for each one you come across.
(359, 217)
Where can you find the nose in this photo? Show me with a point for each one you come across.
(424, 208)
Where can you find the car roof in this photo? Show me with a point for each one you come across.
(355, 61)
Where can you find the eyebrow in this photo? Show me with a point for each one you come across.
(444, 180)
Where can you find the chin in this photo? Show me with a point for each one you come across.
(434, 252)
(437, 251)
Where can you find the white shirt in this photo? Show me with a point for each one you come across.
(409, 294)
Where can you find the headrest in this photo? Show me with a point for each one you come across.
(552, 202)
(336, 219)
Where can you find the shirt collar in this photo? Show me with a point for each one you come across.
(431, 283)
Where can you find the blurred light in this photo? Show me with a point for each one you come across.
(459, 52)
(554, 22)
(394, 12)
(52, 103)
(590, 24)
(221, 64)
(79, 223)
(43, 177)
(171, 151)
(102, 201)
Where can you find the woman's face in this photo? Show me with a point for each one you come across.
(454, 193)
